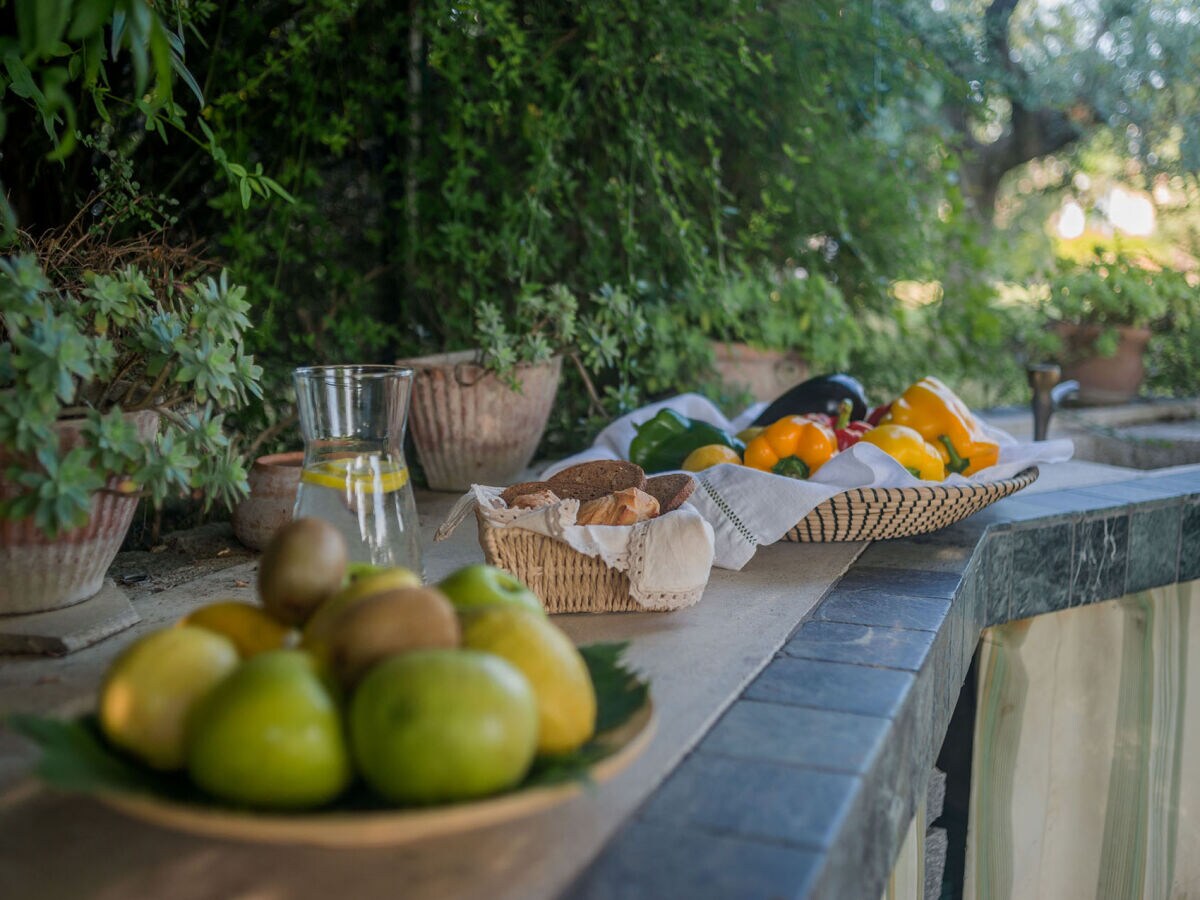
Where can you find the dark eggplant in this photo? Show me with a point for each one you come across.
(822, 394)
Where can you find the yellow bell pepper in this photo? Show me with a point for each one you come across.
(907, 447)
(934, 410)
(793, 446)
(710, 455)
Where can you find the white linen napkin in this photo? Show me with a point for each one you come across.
(747, 507)
(668, 558)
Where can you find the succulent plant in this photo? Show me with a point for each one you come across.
(96, 346)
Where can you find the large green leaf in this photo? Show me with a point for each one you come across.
(76, 757)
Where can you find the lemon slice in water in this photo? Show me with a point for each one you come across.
(358, 474)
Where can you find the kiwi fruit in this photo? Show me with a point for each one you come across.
(302, 566)
(395, 621)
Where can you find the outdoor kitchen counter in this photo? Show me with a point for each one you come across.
(794, 759)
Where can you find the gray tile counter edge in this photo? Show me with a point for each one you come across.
(916, 627)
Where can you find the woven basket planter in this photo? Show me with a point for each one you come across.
(38, 573)
(566, 580)
(875, 514)
(469, 426)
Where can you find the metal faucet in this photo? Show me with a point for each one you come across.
(1048, 394)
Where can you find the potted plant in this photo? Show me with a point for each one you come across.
(477, 415)
(771, 329)
(1102, 313)
(117, 365)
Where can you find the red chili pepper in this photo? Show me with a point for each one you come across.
(848, 433)
(876, 415)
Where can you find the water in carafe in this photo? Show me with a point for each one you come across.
(355, 476)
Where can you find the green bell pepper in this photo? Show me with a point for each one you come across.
(663, 442)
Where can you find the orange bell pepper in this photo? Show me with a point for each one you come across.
(933, 410)
(793, 446)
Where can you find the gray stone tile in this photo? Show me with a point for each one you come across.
(1189, 543)
(1027, 508)
(752, 799)
(880, 607)
(998, 577)
(1041, 565)
(860, 859)
(1078, 500)
(945, 686)
(1100, 558)
(1183, 483)
(831, 685)
(1153, 548)
(1139, 490)
(649, 861)
(909, 582)
(935, 796)
(972, 601)
(820, 738)
(934, 556)
(864, 645)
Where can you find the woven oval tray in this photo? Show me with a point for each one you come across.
(874, 514)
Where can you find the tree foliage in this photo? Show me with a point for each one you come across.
(1045, 75)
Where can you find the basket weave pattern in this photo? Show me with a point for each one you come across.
(566, 580)
(873, 514)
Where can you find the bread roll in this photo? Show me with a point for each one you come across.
(535, 500)
(620, 508)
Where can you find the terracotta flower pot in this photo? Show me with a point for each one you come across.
(469, 426)
(274, 480)
(764, 373)
(39, 573)
(1103, 379)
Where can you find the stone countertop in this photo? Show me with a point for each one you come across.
(798, 723)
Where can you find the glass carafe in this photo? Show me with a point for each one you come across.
(352, 419)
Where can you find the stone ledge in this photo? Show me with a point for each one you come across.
(866, 686)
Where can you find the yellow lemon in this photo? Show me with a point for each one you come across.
(359, 474)
(250, 628)
(566, 699)
(710, 455)
(152, 688)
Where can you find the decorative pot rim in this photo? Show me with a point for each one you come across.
(455, 358)
(290, 458)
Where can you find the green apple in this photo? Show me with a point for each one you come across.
(270, 736)
(440, 725)
(152, 688)
(484, 585)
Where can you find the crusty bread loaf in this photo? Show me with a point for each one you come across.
(670, 490)
(592, 480)
(513, 491)
(619, 508)
(536, 500)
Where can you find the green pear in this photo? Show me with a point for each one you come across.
(270, 736)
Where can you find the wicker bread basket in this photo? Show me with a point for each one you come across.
(873, 514)
(566, 580)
